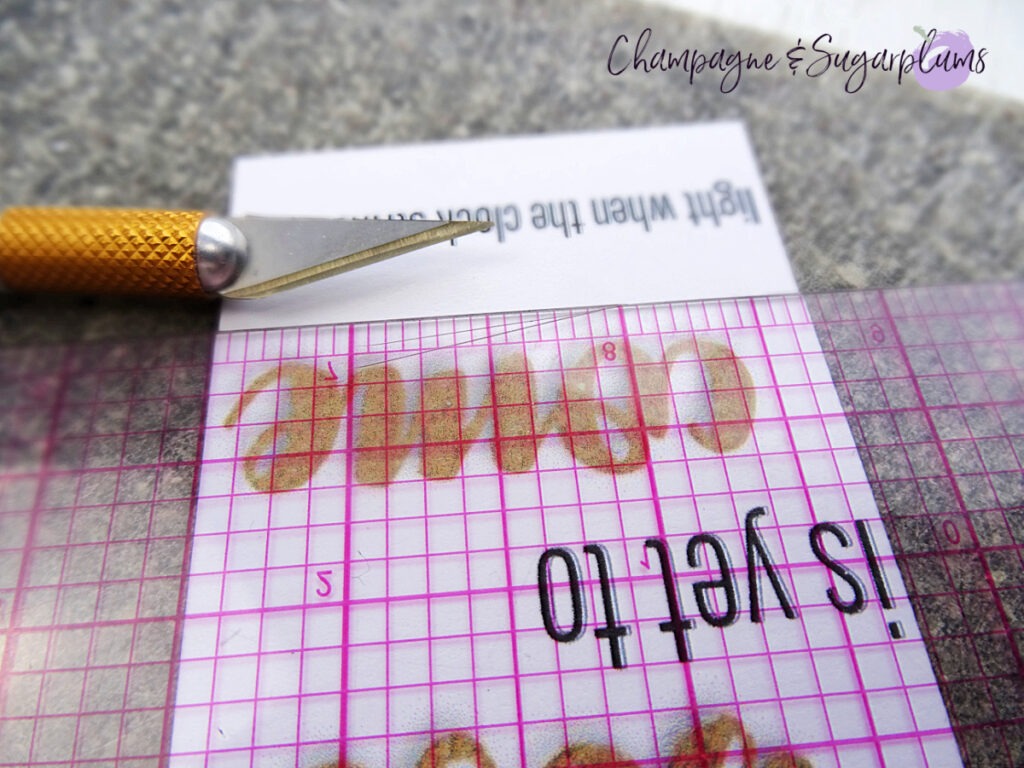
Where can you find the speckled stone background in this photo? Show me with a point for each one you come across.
(146, 104)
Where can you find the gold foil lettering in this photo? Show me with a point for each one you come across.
(289, 451)
(606, 431)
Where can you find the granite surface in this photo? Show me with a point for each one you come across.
(146, 104)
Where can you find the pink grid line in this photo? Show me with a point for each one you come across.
(508, 562)
(347, 583)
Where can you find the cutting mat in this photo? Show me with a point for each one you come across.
(930, 378)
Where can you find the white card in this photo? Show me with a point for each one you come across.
(390, 516)
(613, 217)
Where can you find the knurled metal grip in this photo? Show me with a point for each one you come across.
(87, 250)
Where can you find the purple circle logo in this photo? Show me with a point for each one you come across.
(945, 60)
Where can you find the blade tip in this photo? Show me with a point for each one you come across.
(465, 227)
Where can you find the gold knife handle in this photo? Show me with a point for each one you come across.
(97, 250)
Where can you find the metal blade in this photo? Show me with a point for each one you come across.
(285, 253)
